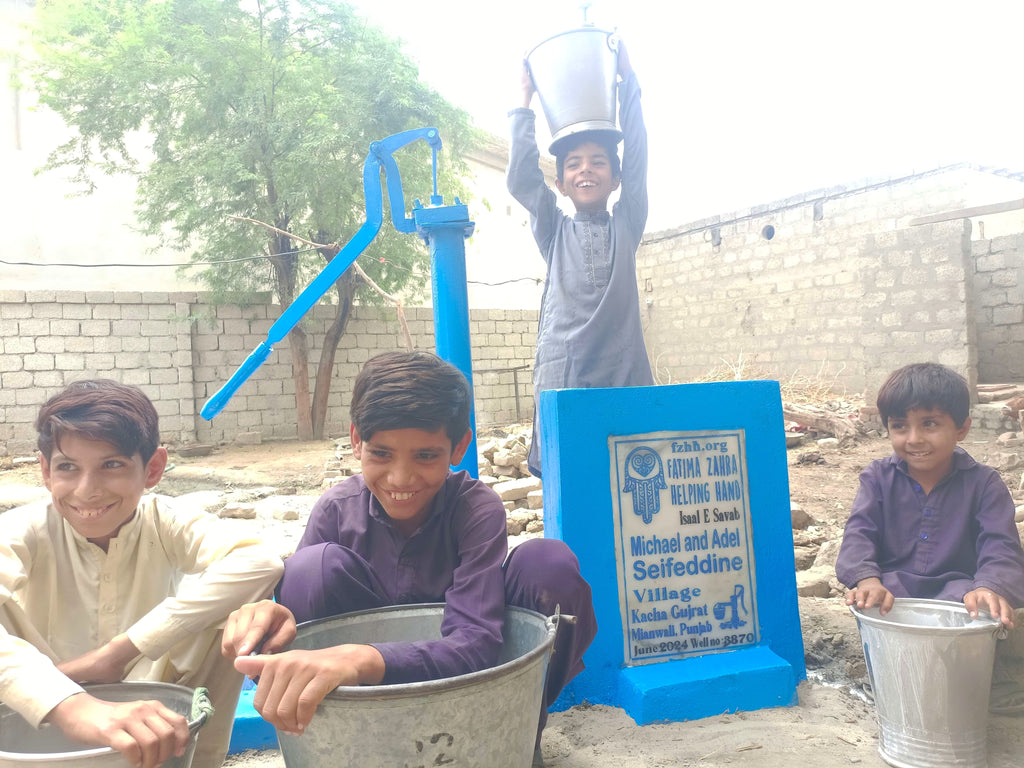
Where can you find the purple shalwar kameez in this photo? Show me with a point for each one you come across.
(352, 558)
(938, 545)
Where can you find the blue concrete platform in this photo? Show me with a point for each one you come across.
(690, 689)
(675, 499)
(250, 730)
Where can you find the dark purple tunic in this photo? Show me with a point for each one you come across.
(351, 558)
(939, 545)
(455, 557)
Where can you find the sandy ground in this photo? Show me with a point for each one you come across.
(828, 729)
(831, 726)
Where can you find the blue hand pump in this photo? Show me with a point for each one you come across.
(443, 228)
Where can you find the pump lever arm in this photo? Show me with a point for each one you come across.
(380, 153)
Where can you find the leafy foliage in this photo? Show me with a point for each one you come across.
(256, 108)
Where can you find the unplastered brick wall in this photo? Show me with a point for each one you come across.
(180, 348)
(834, 284)
(998, 297)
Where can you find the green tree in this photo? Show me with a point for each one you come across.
(263, 109)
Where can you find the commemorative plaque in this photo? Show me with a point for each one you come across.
(683, 544)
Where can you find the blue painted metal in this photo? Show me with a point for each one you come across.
(250, 730)
(445, 230)
(578, 509)
(380, 155)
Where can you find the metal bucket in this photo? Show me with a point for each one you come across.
(930, 666)
(486, 718)
(574, 73)
(22, 745)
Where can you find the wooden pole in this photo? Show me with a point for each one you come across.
(966, 213)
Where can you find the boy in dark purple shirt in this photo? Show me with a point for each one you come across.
(929, 521)
(407, 530)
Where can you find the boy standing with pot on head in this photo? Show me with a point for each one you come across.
(407, 530)
(589, 333)
(92, 589)
(929, 522)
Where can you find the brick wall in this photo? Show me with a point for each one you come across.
(833, 284)
(179, 348)
(997, 289)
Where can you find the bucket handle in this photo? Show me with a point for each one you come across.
(202, 709)
(551, 622)
(613, 40)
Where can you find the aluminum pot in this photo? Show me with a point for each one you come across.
(485, 718)
(575, 76)
(930, 666)
(22, 746)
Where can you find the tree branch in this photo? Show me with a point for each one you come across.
(355, 265)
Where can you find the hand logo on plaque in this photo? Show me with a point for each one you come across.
(645, 477)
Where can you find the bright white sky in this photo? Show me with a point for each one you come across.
(747, 102)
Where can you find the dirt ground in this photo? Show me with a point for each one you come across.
(831, 726)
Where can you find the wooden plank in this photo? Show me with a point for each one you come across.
(966, 213)
(819, 420)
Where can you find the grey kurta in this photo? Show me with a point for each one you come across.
(589, 333)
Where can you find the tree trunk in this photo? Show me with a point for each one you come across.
(300, 374)
(346, 288)
(285, 264)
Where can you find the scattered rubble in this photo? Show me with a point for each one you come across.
(822, 477)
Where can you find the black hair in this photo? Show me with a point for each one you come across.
(103, 410)
(607, 140)
(410, 390)
(925, 386)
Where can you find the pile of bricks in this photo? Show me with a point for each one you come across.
(502, 465)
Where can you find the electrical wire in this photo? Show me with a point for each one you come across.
(535, 280)
(172, 264)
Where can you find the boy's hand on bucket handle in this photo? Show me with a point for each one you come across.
(984, 598)
(292, 684)
(266, 626)
(870, 592)
(147, 733)
(625, 68)
(526, 86)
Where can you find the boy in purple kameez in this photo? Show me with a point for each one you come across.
(589, 333)
(929, 522)
(407, 530)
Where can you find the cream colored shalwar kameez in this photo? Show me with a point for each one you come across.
(169, 579)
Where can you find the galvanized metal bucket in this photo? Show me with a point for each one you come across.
(930, 666)
(574, 73)
(486, 718)
(22, 745)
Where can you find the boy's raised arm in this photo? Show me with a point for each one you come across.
(633, 202)
(525, 179)
(526, 86)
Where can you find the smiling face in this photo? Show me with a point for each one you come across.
(405, 468)
(587, 177)
(925, 439)
(95, 487)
